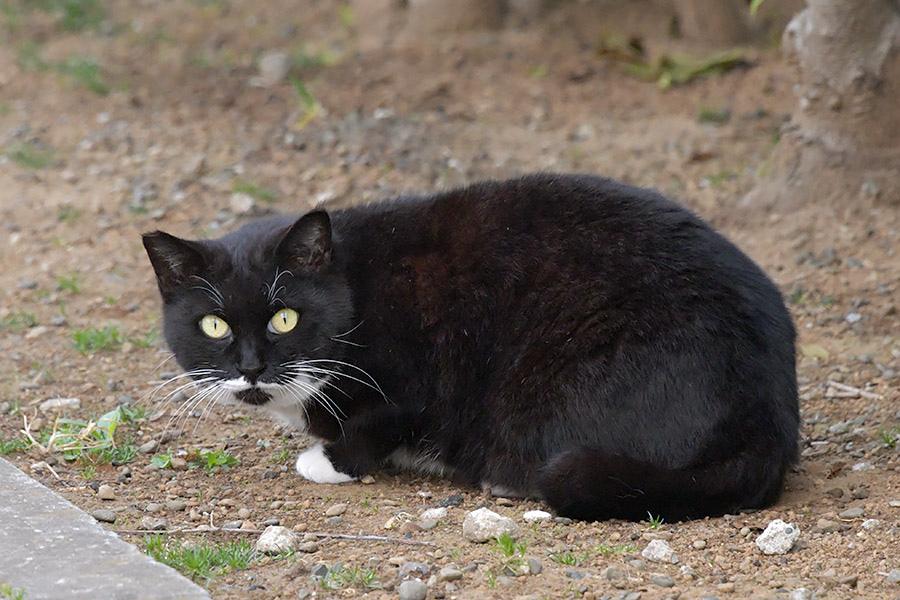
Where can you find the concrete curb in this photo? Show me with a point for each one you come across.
(54, 551)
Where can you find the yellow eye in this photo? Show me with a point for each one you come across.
(214, 327)
(283, 321)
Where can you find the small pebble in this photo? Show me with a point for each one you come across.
(176, 505)
(449, 574)
(153, 507)
(800, 594)
(536, 515)
(107, 516)
(244, 513)
(335, 510)
(434, 514)
(148, 447)
(662, 581)
(871, 524)
(429, 524)
(412, 590)
(534, 565)
(334, 520)
(699, 544)
(852, 513)
(726, 587)
(308, 547)
(106, 492)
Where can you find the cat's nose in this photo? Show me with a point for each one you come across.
(251, 370)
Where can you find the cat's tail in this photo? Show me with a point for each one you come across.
(592, 485)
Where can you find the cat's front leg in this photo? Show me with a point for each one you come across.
(365, 442)
(315, 465)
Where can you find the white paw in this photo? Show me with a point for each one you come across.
(315, 466)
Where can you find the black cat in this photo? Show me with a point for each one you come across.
(561, 337)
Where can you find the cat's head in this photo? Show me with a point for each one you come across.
(254, 316)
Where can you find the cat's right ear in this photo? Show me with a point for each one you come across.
(175, 261)
(307, 243)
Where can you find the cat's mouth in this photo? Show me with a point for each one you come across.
(254, 396)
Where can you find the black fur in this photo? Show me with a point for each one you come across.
(563, 337)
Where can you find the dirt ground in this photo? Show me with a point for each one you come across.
(185, 140)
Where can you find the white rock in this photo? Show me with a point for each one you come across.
(482, 525)
(276, 539)
(536, 515)
(863, 466)
(801, 594)
(240, 203)
(434, 514)
(871, 524)
(273, 68)
(660, 551)
(778, 538)
(60, 403)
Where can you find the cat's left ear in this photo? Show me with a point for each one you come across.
(307, 243)
(175, 261)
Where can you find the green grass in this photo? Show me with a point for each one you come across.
(251, 189)
(73, 15)
(343, 577)
(18, 321)
(29, 57)
(283, 456)
(146, 340)
(307, 104)
(890, 437)
(92, 339)
(161, 461)
(92, 441)
(17, 444)
(655, 522)
(508, 546)
(203, 561)
(11, 593)
(69, 283)
(84, 72)
(569, 558)
(67, 214)
(717, 116)
(608, 551)
(210, 459)
(31, 155)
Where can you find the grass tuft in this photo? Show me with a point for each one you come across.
(92, 339)
(341, 577)
(86, 73)
(256, 191)
(10, 593)
(18, 321)
(200, 561)
(31, 155)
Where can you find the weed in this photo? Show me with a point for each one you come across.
(538, 72)
(17, 444)
(345, 14)
(256, 191)
(92, 340)
(507, 545)
(717, 116)
(92, 441)
(608, 551)
(74, 15)
(285, 455)
(29, 57)
(161, 461)
(717, 179)
(310, 61)
(18, 321)
(342, 577)
(565, 558)
(203, 561)
(69, 283)
(147, 340)
(67, 213)
(84, 72)
(89, 471)
(306, 102)
(31, 155)
(754, 6)
(211, 459)
(890, 437)
(491, 579)
(655, 522)
(11, 593)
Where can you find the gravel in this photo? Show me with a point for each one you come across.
(536, 515)
(60, 404)
(852, 513)
(106, 492)
(335, 510)
(434, 514)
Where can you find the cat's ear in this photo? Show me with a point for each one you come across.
(175, 261)
(307, 243)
